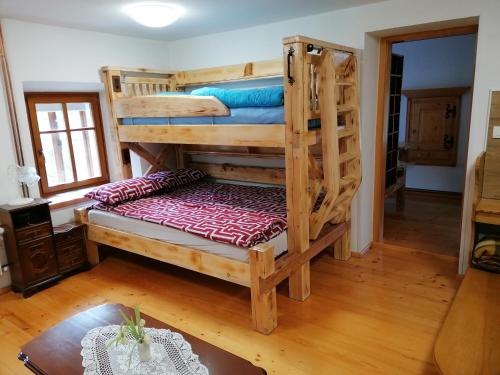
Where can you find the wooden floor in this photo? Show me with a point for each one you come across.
(429, 221)
(379, 314)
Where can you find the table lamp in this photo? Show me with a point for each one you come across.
(25, 176)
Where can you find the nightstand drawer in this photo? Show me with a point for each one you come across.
(67, 232)
(70, 254)
(33, 232)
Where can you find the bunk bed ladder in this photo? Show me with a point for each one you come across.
(350, 151)
(339, 178)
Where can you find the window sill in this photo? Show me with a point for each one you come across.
(68, 198)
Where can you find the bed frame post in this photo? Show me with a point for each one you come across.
(81, 217)
(297, 160)
(114, 89)
(342, 248)
(264, 311)
(92, 252)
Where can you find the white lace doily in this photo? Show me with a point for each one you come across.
(170, 354)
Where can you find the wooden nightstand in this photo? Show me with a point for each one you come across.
(70, 247)
(30, 245)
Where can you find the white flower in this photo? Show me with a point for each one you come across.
(142, 322)
(147, 339)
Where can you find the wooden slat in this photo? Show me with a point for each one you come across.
(318, 43)
(222, 135)
(264, 175)
(195, 260)
(239, 72)
(148, 80)
(238, 154)
(142, 152)
(347, 156)
(345, 108)
(160, 161)
(137, 70)
(289, 262)
(342, 133)
(169, 106)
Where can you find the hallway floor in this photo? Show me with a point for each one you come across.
(428, 220)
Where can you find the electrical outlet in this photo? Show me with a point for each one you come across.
(496, 131)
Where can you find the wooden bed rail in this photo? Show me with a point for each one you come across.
(262, 273)
(230, 73)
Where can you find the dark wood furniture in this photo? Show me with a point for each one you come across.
(395, 172)
(391, 174)
(70, 247)
(433, 119)
(37, 252)
(30, 245)
(57, 351)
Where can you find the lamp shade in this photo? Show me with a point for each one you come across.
(27, 175)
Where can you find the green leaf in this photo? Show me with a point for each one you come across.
(126, 318)
(137, 311)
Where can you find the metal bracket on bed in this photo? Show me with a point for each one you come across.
(289, 56)
(312, 48)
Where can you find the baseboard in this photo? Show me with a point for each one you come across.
(406, 248)
(363, 252)
(433, 192)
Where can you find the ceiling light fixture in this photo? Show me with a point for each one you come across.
(154, 14)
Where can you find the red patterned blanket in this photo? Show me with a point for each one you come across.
(239, 215)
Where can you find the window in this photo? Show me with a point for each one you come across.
(68, 142)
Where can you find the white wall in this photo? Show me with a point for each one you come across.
(46, 58)
(350, 27)
(437, 63)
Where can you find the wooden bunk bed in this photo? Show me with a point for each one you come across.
(320, 80)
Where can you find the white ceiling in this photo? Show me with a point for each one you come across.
(202, 16)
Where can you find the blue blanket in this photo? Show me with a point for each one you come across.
(270, 96)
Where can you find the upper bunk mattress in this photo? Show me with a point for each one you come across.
(245, 115)
(237, 215)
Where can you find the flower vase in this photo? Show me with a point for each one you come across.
(144, 349)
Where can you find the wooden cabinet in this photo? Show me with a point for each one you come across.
(70, 247)
(433, 119)
(29, 244)
(38, 253)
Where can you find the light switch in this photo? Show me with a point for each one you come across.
(496, 131)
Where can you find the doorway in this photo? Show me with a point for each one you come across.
(423, 137)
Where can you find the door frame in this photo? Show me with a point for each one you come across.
(385, 49)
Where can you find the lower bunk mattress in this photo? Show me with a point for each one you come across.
(224, 219)
(178, 237)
